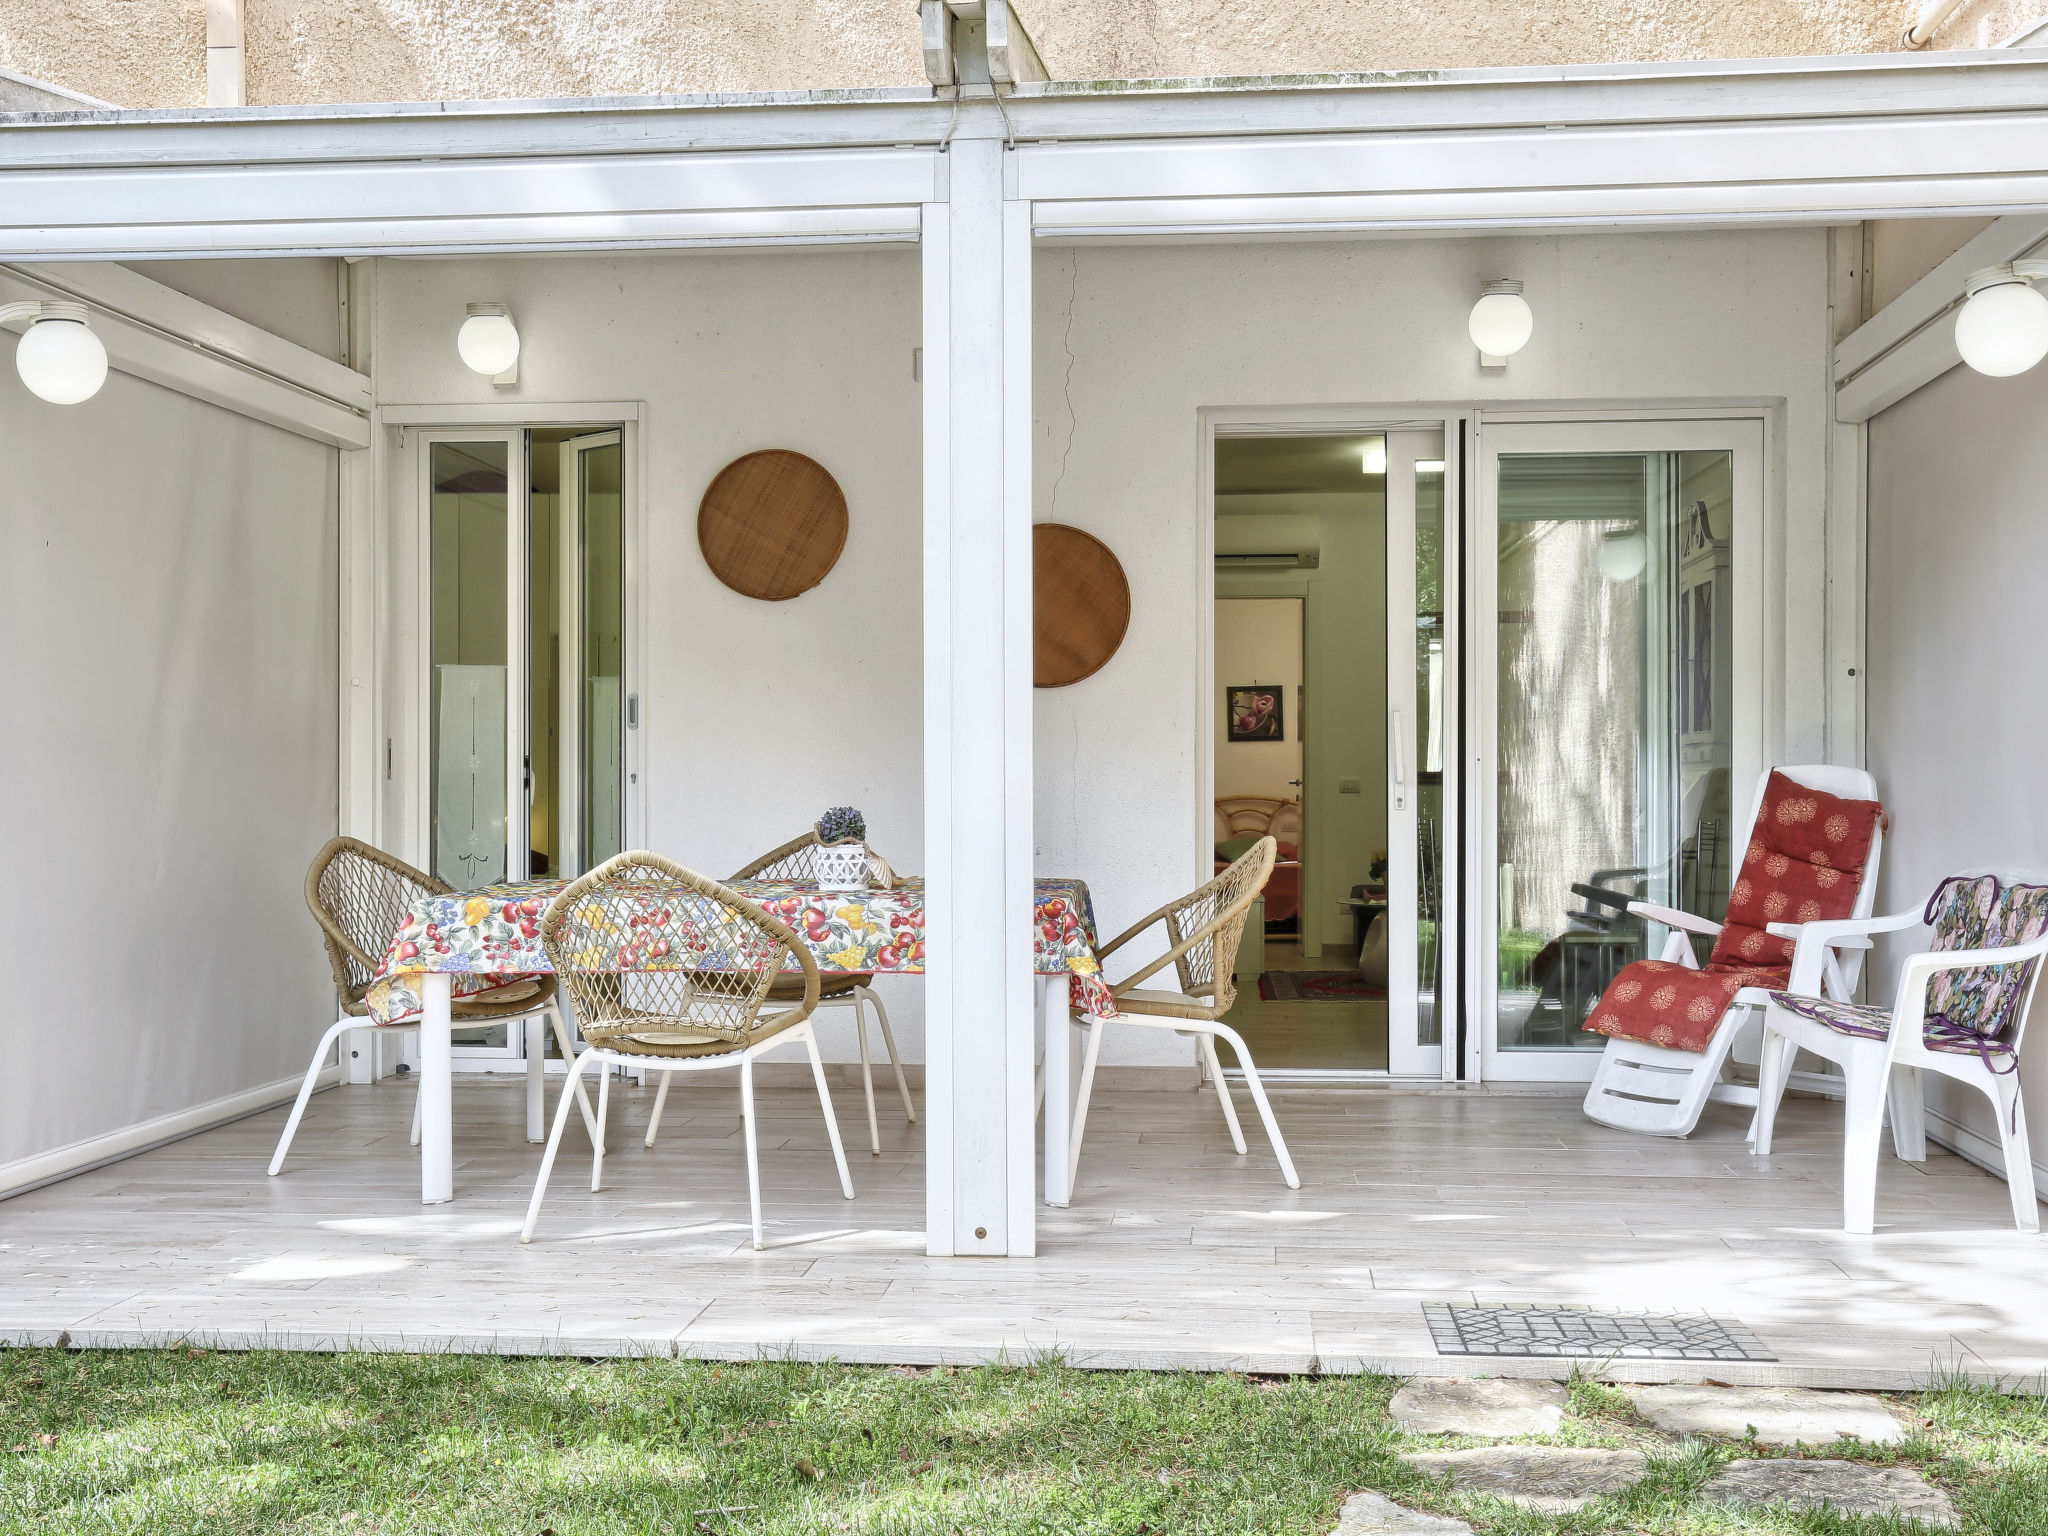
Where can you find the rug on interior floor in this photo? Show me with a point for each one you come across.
(1318, 987)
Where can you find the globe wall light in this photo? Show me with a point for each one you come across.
(1501, 322)
(58, 357)
(488, 340)
(1623, 555)
(2002, 328)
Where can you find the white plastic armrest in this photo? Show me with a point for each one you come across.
(1797, 931)
(1671, 917)
(1918, 968)
(1836, 930)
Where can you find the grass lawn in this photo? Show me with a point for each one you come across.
(190, 1443)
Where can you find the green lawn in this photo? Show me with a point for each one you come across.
(184, 1442)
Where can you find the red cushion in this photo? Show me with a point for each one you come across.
(1804, 864)
(1288, 850)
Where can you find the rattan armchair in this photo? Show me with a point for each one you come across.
(358, 894)
(1202, 932)
(666, 967)
(797, 860)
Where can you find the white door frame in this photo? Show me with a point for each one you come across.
(569, 665)
(1744, 432)
(1312, 421)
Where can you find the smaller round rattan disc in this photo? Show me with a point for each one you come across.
(1081, 605)
(772, 524)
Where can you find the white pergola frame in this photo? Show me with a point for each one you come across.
(1813, 142)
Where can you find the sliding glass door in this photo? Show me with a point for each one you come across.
(1619, 708)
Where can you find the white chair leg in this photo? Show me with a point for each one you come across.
(867, 1076)
(536, 1048)
(291, 1126)
(825, 1103)
(660, 1103)
(1207, 1045)
(1863, 1105)
(874, 1001)
(2019, 1160)
(1909, 1115)
(1095, 1032)
(571, 1093)
(604, 1109)
(1774, 1070)
(567, 1042)
(753, 1151)
(1251, 1080)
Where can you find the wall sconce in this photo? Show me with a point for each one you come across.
(489, 343)
(1501, 322)
(1623, 555)
(58, 357)
(2002, 328)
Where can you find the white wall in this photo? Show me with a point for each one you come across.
(1133, 341)
(1958, 720)
(1258, 640)
(757, 715)
(168, 711)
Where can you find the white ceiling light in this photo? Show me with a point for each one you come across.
(1623, 555)
(1501, 321)
(1374, 457)
(2002, 328)
(58, 357)
(488, 340)
(1429, 466)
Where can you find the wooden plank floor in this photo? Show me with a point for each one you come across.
(1175, 1252)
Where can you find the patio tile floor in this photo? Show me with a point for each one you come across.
(1174, 1253)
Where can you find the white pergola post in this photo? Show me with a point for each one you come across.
(979, 1053)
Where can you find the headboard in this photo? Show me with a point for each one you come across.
(1258, 816)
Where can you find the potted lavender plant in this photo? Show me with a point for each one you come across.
(842, 850)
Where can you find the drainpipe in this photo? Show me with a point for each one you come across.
(224, 75)
(1920, 31)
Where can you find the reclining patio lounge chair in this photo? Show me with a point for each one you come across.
(1811, 845)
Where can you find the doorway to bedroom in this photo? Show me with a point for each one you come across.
(1326, 718)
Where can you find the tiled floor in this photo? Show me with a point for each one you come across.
(1322, 1036)
(1175, 1252)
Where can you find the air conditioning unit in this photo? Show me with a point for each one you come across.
(1304, 559)
(1268, 541)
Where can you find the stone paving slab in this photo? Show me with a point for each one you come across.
(1553, 1479)
(1368, 1514)
(1842, 1487)
(1480, 1406)
(1779, 1415)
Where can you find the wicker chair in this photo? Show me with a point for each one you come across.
(358, 895)
(797, 860)
(1202, 930)
(667, 967)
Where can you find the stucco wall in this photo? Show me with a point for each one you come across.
(149, 52)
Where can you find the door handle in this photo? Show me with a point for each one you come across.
(1397, 759)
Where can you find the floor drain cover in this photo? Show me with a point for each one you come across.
(1519, 1329)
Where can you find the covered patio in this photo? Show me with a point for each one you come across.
(984, 316)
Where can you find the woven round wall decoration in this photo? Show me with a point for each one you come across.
(1081, 605)
(772, 524)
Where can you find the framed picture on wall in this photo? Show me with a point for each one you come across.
(1257, 712)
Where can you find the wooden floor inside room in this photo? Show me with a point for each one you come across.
(1344, 1036)
(1175, 1251)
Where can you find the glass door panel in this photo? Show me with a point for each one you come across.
(1613, 722)
(591, 704)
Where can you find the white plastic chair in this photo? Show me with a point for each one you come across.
(1202, 930)
(668, 968)
(1658, 1091)
(1883, 1051)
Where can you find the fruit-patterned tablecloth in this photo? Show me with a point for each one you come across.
(490, 938)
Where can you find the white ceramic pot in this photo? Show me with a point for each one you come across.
(843, 866)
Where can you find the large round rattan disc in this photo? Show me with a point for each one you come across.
(1081, 605)
(772, 525)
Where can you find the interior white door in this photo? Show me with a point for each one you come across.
(1415, 481)
(591, 754)
(1618, 693)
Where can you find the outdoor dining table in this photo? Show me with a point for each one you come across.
(469, 943)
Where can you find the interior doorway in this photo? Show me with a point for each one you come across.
(1327, 719)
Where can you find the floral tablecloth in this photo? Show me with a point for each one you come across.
(490, 938)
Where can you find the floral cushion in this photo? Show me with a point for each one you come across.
(1804, 864)
(1976, 912)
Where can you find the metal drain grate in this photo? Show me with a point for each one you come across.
(1518, 1328)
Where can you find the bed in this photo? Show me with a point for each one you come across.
(1241, 820)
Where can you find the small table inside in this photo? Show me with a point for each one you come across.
(470, 942)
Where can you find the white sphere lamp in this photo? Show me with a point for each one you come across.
(2002, 328)
(1623, 555)
(1501, 322)
(58, 357)
(488, 340)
